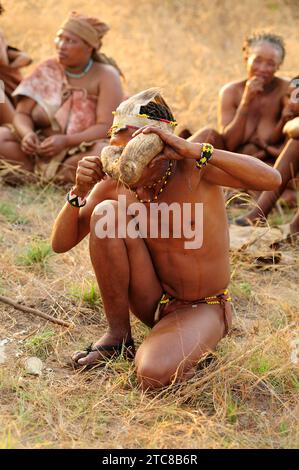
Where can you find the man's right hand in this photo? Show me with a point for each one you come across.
(89, 172)
(253, 87)
(30, 143)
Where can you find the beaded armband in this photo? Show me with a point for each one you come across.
(74, 200)
(205, 155)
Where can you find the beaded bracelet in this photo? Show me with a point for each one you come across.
(74, 200)
(205, 155)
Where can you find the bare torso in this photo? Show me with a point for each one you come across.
(263, 112)
(189, 274)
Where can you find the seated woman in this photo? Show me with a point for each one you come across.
(276, 141)
(11, 61)
(288, 162)
(249, 110)
(65, 105)
(252, 112)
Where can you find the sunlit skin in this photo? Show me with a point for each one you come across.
(132, 273)
(249, 109)
(101, 80)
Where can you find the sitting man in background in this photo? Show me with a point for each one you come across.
(11, 61)
(65, 106)
(187, 309)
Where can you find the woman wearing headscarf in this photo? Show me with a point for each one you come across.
(65, 106)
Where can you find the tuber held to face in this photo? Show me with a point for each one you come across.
(127, 163)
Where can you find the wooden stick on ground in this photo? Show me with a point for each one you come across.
(33, 311)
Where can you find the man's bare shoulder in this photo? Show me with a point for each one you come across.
(105, 189)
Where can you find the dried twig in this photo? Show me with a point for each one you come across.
(33, 311)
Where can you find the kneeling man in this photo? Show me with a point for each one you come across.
(171, 272)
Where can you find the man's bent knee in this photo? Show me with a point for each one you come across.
(103, 221)
(155, 376)
(154, 371)
(152, 376)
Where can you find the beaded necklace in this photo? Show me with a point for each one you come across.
(165, 181)
(81, 74)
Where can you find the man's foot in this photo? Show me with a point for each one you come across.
(102, 351)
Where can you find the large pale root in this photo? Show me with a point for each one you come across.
(137, 154)
(110, 158)
(127, 164)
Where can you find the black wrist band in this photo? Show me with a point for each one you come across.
(74, 200)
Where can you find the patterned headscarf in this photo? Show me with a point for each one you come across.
(92, 31)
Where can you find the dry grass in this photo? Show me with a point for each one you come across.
(247, 398)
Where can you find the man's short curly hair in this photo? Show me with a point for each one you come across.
(261, 36)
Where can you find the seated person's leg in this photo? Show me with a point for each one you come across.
(288, 165)
(175, 345)
(126, 278)
(10, 150)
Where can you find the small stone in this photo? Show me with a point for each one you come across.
(2, 355)
(34, 366)
(3, 342)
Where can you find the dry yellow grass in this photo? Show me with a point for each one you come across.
(247, 398)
